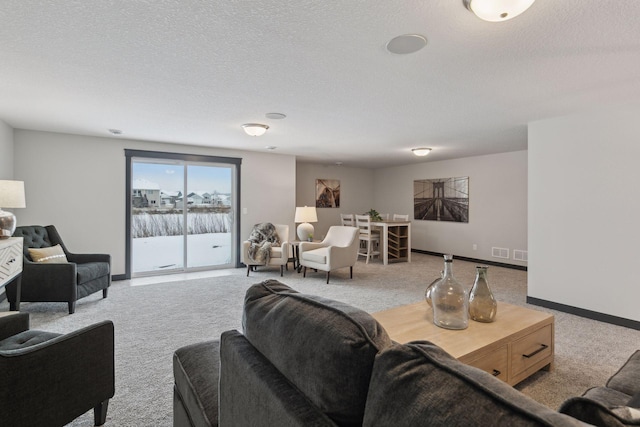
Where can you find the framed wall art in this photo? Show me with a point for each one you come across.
(327, 193)
(442, 199)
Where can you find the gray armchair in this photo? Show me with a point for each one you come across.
(51, 379)
(82, 275)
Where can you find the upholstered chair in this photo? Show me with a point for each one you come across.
(279, 255)
(339, 249)
(72, 277)
(50, 379)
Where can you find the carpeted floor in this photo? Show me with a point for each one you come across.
(154, 319)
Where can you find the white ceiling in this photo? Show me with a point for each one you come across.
(193, 71)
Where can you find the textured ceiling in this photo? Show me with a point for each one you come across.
(193, 71)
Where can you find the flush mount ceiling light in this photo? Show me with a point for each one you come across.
(407, 43)
(275, 116)
(421, 151)
(255, 129)
(497, 10)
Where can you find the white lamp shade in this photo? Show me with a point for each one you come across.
(421, 151)
(255, 129)
(306, 214)
(498, 10)
(12, 194)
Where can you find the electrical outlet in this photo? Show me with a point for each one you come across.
(475, 247)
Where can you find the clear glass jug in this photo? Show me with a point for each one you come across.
(450, 300)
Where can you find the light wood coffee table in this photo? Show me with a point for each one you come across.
(513, 347)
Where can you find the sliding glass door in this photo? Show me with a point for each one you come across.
(182, 214)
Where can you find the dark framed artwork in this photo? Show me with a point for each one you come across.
(443, 199)
(327, 193)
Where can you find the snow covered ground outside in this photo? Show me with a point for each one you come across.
(161, 253)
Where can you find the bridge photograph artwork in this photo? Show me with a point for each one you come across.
(442, 199)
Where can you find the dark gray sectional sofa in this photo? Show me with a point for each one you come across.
(304, 360)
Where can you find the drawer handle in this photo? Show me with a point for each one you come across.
(496, 373)
(542, 347)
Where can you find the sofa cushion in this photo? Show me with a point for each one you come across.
(255, 393)
(429, 387)
(196, 369)
(612, 405)
(276, 252)
(627, 379)
(51, 255)
(316, 255)
(598, 414)
(288, 328)
(634, 402)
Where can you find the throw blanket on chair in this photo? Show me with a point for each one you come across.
(262, 238)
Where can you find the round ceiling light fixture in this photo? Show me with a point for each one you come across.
(497, 10)
(407, 43)
(255, 129)
(421, 152)
(275, 116)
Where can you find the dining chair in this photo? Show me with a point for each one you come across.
(368, 236)
(399, 217)
(347, 220)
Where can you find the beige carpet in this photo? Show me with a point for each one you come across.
(153, 320)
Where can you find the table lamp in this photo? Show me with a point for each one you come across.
(11, 196)
(305, 215)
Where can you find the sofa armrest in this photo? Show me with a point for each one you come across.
(51, 280)
(84, 258)
(12, 324)
(44, 383)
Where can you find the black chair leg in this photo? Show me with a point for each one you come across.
(351, 272)
(281, 270)
(14, 306)
(328, 273)
(304, 272)
(104, 292)
(72, 307)
(248, 270)
(100, 413)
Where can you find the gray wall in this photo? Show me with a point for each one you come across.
(497, 204)
(78, 184)
(583, 211)
(6, 151)
(356, 192)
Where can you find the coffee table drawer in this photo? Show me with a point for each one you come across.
(495, 363)
(531, 349)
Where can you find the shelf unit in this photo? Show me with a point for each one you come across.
(398, 246)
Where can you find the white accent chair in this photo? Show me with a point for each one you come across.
(398, 217)
(339, 249)
(369, 237)
(347, 220)
(279, 255)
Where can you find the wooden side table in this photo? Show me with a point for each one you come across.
(11, 264)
